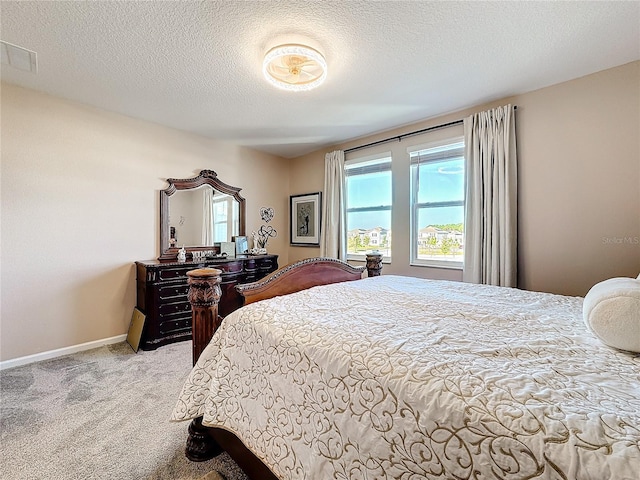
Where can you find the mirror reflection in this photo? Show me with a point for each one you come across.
(202, 216)
(199, 213)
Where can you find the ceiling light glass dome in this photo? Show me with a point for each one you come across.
(294, 67)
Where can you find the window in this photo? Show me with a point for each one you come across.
(220, 219)
(368, 205)
(437, 204)
(225, 218)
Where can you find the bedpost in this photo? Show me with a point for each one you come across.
(204, 294)
(374, 264)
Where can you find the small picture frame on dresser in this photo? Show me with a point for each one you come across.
(228, 249)
(241, 244)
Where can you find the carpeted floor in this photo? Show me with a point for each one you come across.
(100, 414)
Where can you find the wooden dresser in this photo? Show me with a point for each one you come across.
(162, 293)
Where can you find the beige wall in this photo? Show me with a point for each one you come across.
(579, 183)
(80, 205)
(79, 190)
(579, 145)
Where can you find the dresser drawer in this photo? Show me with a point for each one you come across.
(175, 325)
(171, 272)
(174, 308)
(229, 267)
(177, 291)
(267, 264)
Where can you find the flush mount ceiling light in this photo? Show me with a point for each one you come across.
(294, 67)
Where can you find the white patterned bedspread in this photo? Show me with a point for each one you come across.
(402, 378)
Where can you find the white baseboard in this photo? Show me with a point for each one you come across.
(16, 362)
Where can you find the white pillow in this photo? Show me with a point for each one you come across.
(611, 310)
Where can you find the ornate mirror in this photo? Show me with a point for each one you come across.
(197, 213)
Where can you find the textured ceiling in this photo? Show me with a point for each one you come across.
(196, 66)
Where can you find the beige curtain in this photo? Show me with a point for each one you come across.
(332, 231)
(490, 242)
(207, 216)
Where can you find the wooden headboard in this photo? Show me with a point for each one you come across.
(298, 276)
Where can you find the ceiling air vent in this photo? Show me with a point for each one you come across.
(19, 57)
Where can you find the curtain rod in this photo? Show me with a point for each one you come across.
(404, 135)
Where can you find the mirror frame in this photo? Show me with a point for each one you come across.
(205, 177)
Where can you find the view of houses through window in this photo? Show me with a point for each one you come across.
(360, 240)
(441, 242)
(368, 200)
(437, 201)
(437, 204)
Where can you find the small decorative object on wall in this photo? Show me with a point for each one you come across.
(266, 213)
(264, 233)
(260, 239)
(305, 219)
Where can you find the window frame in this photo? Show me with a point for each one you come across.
(415, 206)
(379, 162)
(231, 218)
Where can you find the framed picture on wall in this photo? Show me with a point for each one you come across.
(305, 211)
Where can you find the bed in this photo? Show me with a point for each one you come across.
(391, 377)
